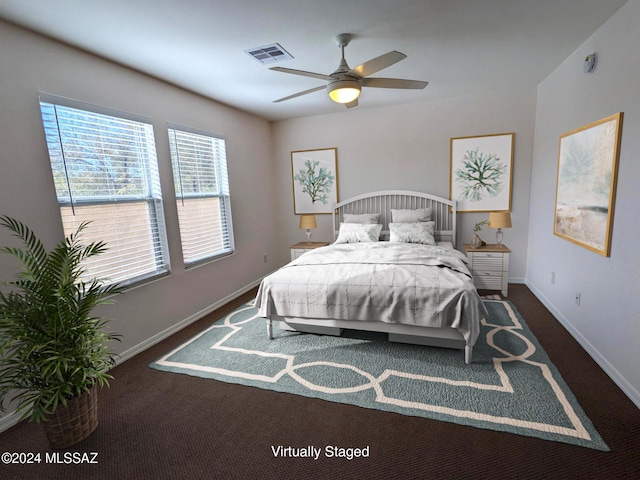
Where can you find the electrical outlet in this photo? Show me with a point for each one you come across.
(578, 297)
(553, 278)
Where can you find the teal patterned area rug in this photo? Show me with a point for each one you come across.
(511, 385)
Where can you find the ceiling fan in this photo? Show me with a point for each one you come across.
(344, 85)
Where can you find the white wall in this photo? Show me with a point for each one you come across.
(607, 322)
(30, 64)
(407, 147)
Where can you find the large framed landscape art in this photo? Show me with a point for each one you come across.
(586, 184)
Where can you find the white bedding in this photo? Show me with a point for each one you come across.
(389, 282)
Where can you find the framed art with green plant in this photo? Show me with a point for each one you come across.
(315, 180)
(481, 172)
(52, 348)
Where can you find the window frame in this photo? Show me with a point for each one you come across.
(153, 198)
(223, 194)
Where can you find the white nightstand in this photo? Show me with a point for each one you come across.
(302, 247)
(489, 266)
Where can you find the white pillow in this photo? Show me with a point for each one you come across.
(362, 218)
(358, 232)
(418, 232)
(411, 216)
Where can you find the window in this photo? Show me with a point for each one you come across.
(105, 171)
(202, 192)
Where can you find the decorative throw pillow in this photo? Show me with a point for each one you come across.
(357, 232)
(362, 218)
(411, 216)
(417, 232)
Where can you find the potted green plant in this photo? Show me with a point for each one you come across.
(53, 351)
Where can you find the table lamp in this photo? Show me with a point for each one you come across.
(308, 222)
(499, 220)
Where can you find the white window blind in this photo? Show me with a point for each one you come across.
(106, 171)
(202, 191)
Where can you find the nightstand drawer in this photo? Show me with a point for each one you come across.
(487, 280)
(296, 252)
(303, 247)
(487, 261)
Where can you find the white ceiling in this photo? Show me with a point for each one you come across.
(459, 46)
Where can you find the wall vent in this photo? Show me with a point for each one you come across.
(269, 54)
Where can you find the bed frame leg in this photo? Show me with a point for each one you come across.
(270, 328)
(468, 350)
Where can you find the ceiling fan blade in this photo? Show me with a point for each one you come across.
(376, 64)
(321, 76)
(352, 104)
(299, 94)
(392, 83)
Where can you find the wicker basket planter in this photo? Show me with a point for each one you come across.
(73, 423)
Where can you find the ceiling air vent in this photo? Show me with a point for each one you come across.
(269, 54)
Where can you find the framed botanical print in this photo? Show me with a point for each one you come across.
(481, 172)
(315, 180)
(586, 184)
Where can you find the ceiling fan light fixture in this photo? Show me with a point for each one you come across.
(344, 91)
(345, 83)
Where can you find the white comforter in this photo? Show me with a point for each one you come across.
(379, 281)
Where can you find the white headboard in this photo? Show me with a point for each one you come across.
(443, 210)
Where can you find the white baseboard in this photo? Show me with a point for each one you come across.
(609, 369)
(158, 337)
(9, 420)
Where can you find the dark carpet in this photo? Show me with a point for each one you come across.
(159, 425)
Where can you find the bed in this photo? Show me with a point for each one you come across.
(392, 268)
